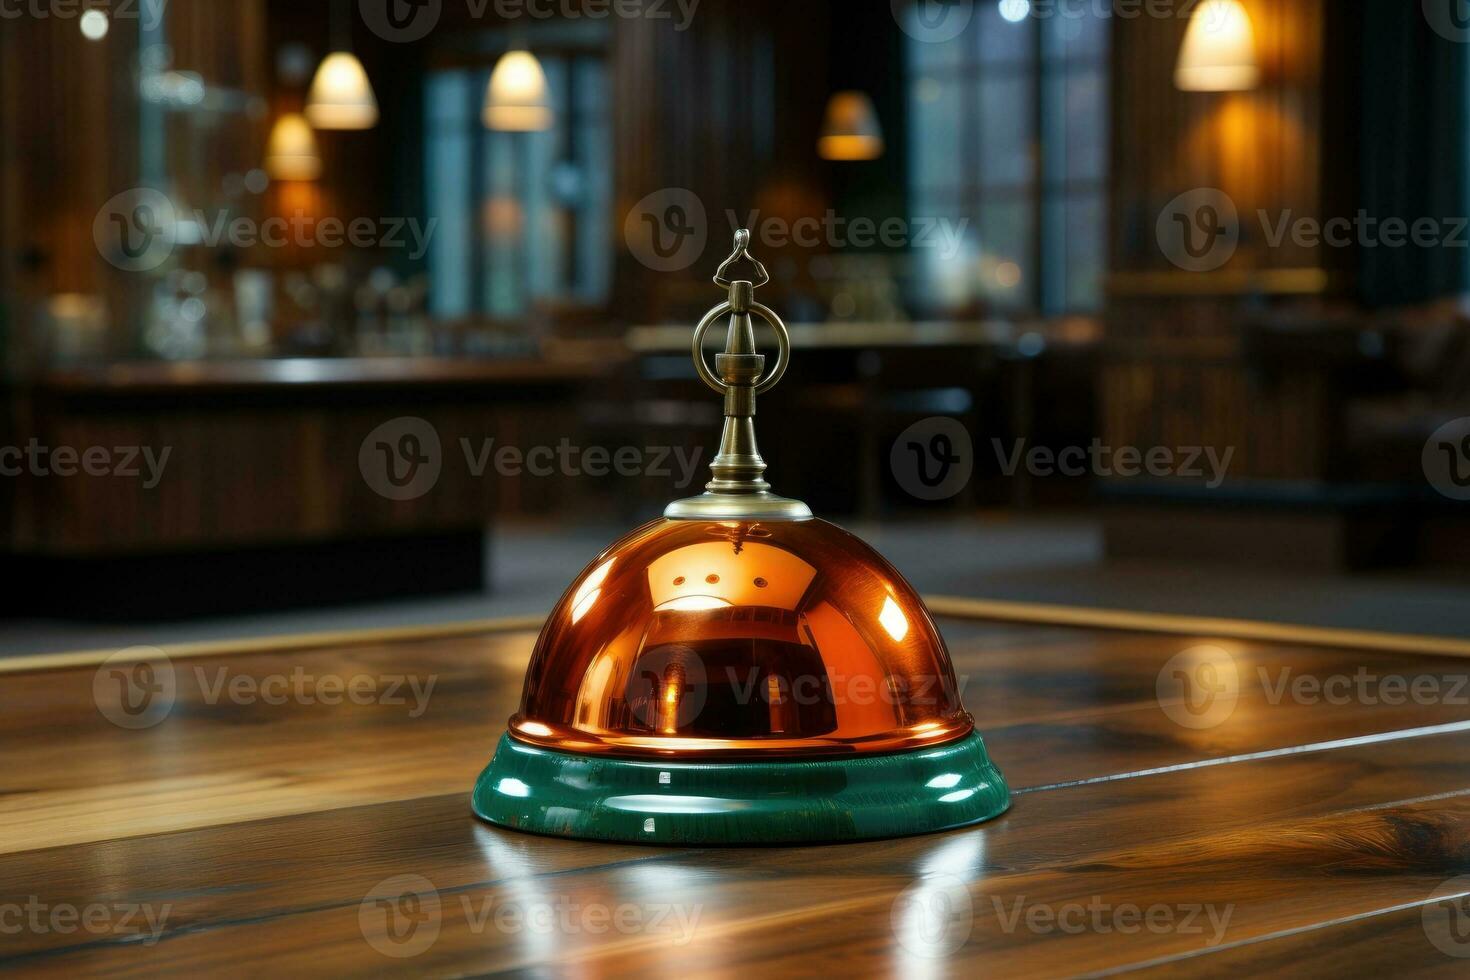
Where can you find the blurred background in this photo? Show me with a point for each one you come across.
(340, 313)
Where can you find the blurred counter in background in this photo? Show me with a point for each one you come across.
(156, 488)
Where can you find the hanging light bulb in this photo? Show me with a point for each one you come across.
(850, 130)
(341, 96)
(1219, 50)
(516, 99)
(290, 153)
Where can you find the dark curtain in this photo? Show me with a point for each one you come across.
(1415, 148)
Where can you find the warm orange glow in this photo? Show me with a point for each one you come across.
(291, 152)
(850, 130)
(341, 96)
(1219, 51)
(588, 591)
(692, 603)
(673, 689)
(737, 639)
(893, 620)
(850, 147)
(757, 575)
(516, 99)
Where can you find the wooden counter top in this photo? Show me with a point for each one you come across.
(273, 838)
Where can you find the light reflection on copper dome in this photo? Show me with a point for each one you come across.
(739, 639)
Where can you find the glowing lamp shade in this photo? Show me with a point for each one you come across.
(341, 97)
(516, 99)
(1219, 51)
(850, 130)
(291, 153)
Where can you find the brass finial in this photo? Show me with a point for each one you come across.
(738, 490)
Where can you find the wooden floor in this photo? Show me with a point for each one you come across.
(1302, 834)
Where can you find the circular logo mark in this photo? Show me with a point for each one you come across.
(1199, 230)
(136, 230)
(1450, 19)
(932, 21)
(400, 20)
(1446, 459)
(667, 688)
(400, 917)
(135, 688)
(933, 917)
(933, 458)
(401, 459)
(667, 230)
(1446, 917)
(1199, 687)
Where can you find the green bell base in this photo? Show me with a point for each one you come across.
(778, 802)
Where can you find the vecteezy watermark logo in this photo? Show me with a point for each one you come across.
(135, 688)
(1199, 230)
(409, 691)
(1199, 687)
(400, 20)
(1446, 917)
(136, 230)
(118, 919)
(401, 916)
(1363, 686)
(118, 461)
(1450, 19)
(1446, 459)
(1106, 918)
(1363, 230)
(667, 687)
(945, 235)
(933, 458)
(933, 917)
(1188, 462)
(667, 230)
(932, 21)
(410, 20)
(401, 459)
(150, 12)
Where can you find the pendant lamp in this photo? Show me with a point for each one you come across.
(291, 153)
(850, 128)
(516, 99)
(341, 97)
(1219, 50)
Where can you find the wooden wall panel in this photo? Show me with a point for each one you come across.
(729, 109)
(1175, 373)
(1264, 148)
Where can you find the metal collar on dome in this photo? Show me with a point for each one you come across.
(738, 490)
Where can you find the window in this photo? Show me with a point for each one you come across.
(522, 217)
(1009, 129)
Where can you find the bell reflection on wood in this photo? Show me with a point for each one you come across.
(696, 624)
(739, 671)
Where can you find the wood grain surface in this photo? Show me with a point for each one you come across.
(1317, 823)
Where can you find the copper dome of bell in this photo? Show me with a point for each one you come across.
(739, 671)
(739, 639)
